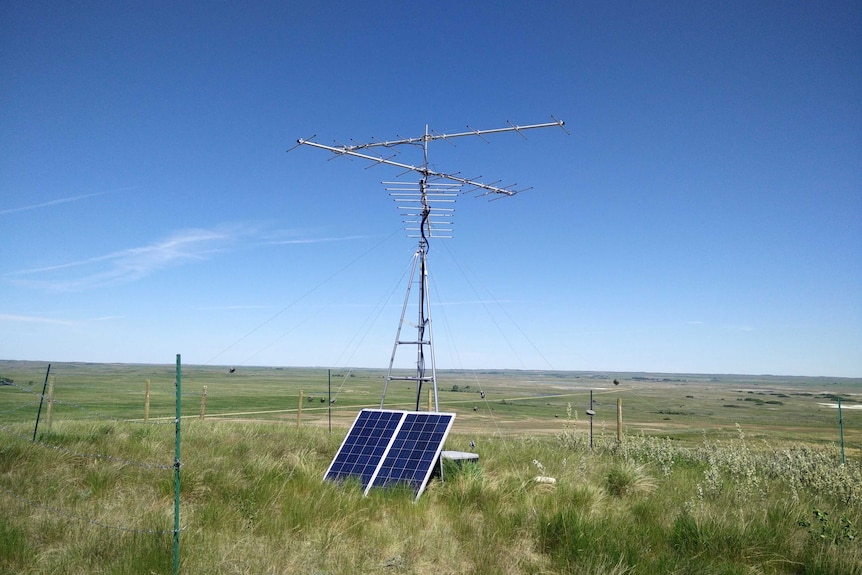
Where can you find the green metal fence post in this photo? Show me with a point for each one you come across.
(177, 472)
(41, 401)
(841, 430)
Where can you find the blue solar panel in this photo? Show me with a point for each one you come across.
(388, 447)
(363, 448)
(414, 451)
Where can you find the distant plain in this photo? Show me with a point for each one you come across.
(715, 474)
(684, 407)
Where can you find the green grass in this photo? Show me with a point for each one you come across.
(254, 501)
(678, 406)
(697, 494)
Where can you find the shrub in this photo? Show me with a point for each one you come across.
(626, 478)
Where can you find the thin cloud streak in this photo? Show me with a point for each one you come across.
(235, 307)
(18, 318)
(54, 202)
(315, 240)
(129, 265)
(6, 317)
(476, 302)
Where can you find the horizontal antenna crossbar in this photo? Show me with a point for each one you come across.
(353, 151)
(431, 137)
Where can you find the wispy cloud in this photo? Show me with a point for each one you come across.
(234, 307)
(478, 302)
(311, 240)
(49, 320)
(131, 264)
(56, 202)
(6, 317)
(741, 328)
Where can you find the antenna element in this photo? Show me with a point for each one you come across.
(427, 206)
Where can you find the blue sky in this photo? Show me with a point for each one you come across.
(703, 215)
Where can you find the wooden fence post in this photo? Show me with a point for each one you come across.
(147, 403)
(299, 411)
(619, 420)
(203, 401)
(50, 402)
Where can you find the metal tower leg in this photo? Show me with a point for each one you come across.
(423, 342)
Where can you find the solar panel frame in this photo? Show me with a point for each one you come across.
(413, 451)
(403, 445)
(364, 446)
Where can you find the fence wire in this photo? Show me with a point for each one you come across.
(92, 414)
(65, 514)
(93, 456)
(13, 435)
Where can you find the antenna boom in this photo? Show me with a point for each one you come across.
(350, 151)
(431, 137)
(425, 207)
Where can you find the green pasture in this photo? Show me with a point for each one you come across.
(715, 475)
(682, 407)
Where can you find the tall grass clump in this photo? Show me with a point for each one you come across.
(254, 501)
(727, 506)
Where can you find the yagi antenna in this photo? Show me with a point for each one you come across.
(354, 151)
(427, 209)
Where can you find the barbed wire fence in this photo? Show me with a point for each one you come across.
(60, 431)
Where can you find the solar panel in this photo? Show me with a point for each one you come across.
(390, 447)
(414, 450)
(364, 446)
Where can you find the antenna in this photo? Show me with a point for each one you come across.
(428, 208)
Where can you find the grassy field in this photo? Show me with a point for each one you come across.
(716, 474)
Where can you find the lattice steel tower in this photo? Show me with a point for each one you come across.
(428, 206)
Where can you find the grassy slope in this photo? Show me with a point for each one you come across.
(695, 495)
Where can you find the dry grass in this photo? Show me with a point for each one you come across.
(254, 502)
(253, 498)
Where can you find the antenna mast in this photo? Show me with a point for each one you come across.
(427, 205)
